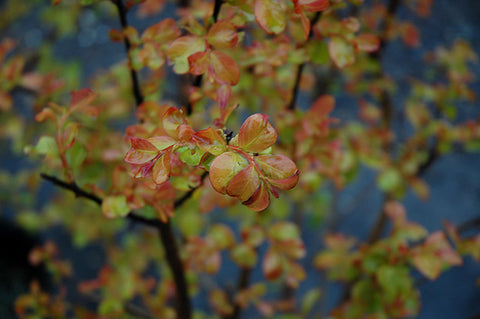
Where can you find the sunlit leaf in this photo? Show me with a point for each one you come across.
(161, 142)
(115, 206)
(272, 264)
(223, 168)
(244, 184)
(161, 169)
(270, 15)
(223, 68)
(180, 49)
(256, 133)
(222, 35)
(341, 52)
(141, 152)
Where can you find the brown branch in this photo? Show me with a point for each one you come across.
(183, 305)
(301, 67)
(122, 14)
(243, 282)
(197, 82)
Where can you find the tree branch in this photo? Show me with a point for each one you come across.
(243, 282)
(183, 305)
(298, 76)
(122, 14)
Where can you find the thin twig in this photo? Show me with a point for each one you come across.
(216, 9)
(122, 13)
(298, 77)
(243, 282)
(129, 307)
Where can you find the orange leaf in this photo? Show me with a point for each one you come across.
(270, 15)
(81, 98)
(256, 134)
(223, 68)
(142, 151)
(163, 32)
(223, 168)
(222, 35)
(198, 63)
(367, 42)
(341, 52)
(161, 169)
(171, 120)
(211, 141)
(314, 5)
(180, 49)
(272, 264)
(279, 169)
(259, 200)
(244, 184)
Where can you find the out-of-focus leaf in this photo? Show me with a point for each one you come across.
(223, 68)
(115, 206)
(270, 15)
(180, 49)
(222, 35)
(341, 52)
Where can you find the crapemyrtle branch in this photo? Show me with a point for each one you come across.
(122, 13)
(197, 82)
(301, 67)
(183, 305)
(242, 283)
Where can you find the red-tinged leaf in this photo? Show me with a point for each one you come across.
(410, 34)
(115, 35)
(314, 5)
(198, 62)
(161, 142)
(244, 255)
(270, 15)
(223, 68)
(272, 264)
(323, 106)
(224, 168)
(180, 49)
(256, 134)
(306, 25)
(222, 35)
(81, 98)
(70, 134)
(171, 120)
(367, 42)
(161, 169)
(132, 35)
(185, 133)
(211, 141)
(224, 93)
(341, 52)
(142, 151)
(259, 200)
(6, 101)
(45, 114)
(276, 167)
(244, 184)
(163, 32)
(285, 183)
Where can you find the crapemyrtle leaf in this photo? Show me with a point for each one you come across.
(161, 142)
(272, 264)
(323, 106)
(314, 5)
(191, 156)
(244, 184)
(279, 169)
(224, 94)
(183, 47)
(163, 32)
(198, 62)
(141, 152)
(81, 98)
(171, 120)
(341, 52)
(223, 168)
(244, 255)
(222, 35)
(259, 200)
(256, 134)
(366, 42)
(185, 133)
(270, 15)
(211, 141)
(223, 68)
(115, 206)
(161, 169)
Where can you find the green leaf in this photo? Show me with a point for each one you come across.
(244, 255)
(115, 206)
(310, 299)
(76, 155)
(270, 15)
(47, 145)
(318, 52)
(389, 180)
(341, 52)
(191, 156)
